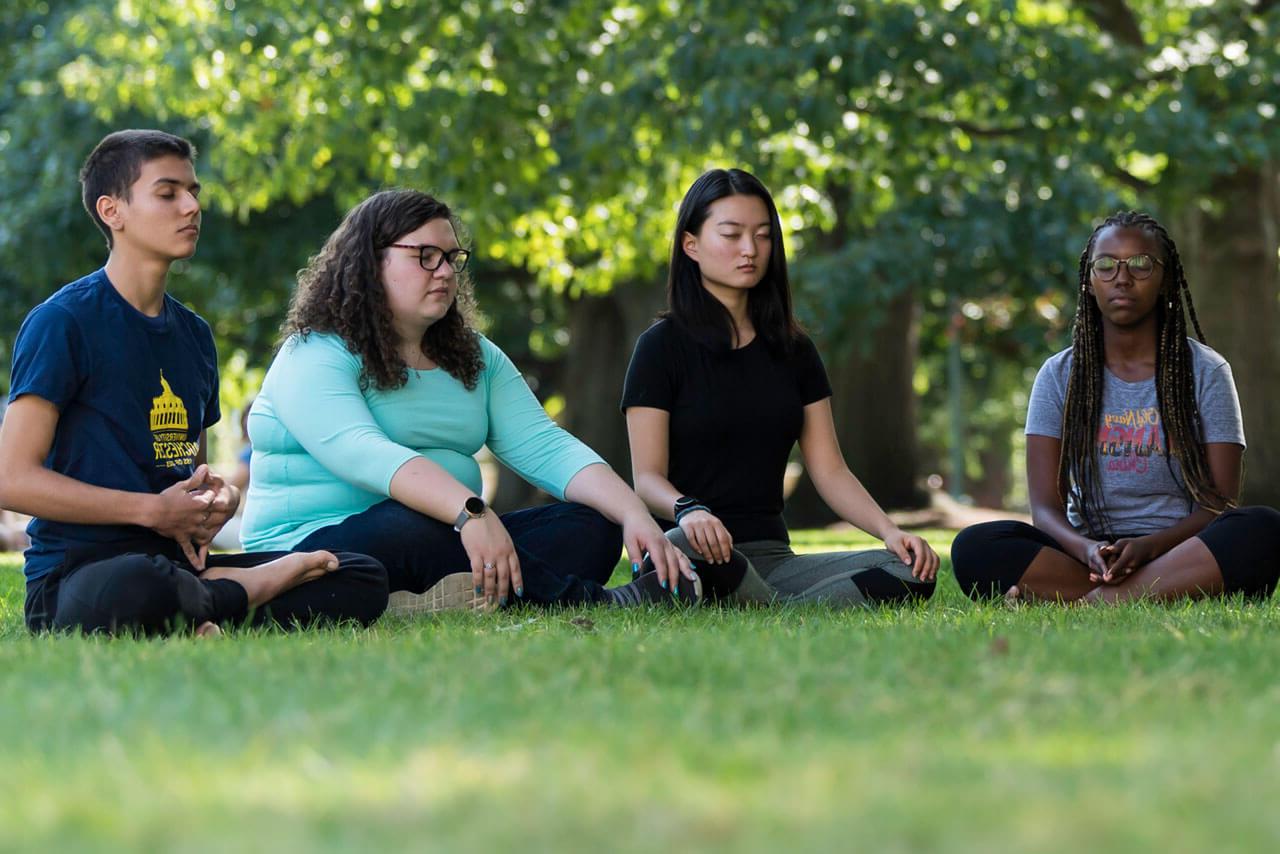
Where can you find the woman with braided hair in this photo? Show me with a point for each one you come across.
(1134, 448)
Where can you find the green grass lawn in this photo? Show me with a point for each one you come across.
(948, 726)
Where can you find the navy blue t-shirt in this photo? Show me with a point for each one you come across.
(133, 394)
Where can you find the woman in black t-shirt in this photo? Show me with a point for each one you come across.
(720, 390)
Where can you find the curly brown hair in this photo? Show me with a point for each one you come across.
(340, 291)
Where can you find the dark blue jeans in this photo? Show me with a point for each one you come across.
(567, 551)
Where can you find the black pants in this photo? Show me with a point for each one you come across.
(567, 551)
(990, 558)
(157, 593)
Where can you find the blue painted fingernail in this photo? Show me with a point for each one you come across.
(635, 570)
(664, 585)
(502, 601)
(520, 592)
(479, 589)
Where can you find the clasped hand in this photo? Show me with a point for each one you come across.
(1112, 563)
(191, 511)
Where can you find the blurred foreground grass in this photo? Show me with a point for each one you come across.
(949, 726)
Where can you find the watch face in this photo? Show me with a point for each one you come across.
(474, 506)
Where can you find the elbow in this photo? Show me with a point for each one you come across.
(9, 493)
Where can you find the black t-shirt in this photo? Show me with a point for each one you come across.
(735, 415)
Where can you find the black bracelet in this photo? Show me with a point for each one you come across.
(686, 511)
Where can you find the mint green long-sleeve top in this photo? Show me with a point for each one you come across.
(324, 450)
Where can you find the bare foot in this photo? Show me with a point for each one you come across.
(208, 630)
(266, 582)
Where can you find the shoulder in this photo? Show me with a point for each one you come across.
(1057, 366)
(488, 350)
(317, 347)
(662, 332)
(665, 335)
(81, 298)
(1205, 358)
(1059, 361)
(1052, 379)
(76, 305)
(803, 347)
(493, 356)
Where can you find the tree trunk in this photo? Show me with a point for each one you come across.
(1231, 262)
(603, 331)
(875, 412)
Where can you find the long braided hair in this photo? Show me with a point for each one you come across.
(1175, 385)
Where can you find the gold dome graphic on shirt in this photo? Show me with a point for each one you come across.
(168, 414)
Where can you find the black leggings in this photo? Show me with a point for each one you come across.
(156, 593)
(990, 558)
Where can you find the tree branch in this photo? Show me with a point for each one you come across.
(1115, 17)
(981, 131)
(1127, 178)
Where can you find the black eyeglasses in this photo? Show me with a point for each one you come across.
(1140, 266)
(431, 257)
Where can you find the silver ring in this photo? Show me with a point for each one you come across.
(488, 567)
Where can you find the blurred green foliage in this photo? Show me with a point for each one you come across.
(961, 150)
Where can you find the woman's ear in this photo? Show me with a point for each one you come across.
(689, 243)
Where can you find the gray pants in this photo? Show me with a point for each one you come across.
(777, 575)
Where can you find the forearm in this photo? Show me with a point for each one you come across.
(1182, 530)
(849, 499)
(600, 489)
(658, 494)
(427, 487)
(41, 492)
(1053, 521)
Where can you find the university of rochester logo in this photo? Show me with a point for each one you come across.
(169, 429)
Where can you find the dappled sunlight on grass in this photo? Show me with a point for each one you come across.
(945, 725)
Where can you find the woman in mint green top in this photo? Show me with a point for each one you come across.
(366, 427)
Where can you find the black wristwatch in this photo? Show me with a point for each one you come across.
(684, 504)
(473, 508)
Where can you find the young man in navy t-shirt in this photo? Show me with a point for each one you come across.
(114, 384)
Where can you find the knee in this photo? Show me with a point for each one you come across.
(969, 545)
(974, 551)
(1257, 521)
(132, 592)
(892, 584)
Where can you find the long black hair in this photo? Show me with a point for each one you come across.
(1175, 384)
(693, 307)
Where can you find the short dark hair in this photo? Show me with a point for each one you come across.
(116, 162)
(689, 303)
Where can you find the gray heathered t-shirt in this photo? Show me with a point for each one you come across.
(1140, 492)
